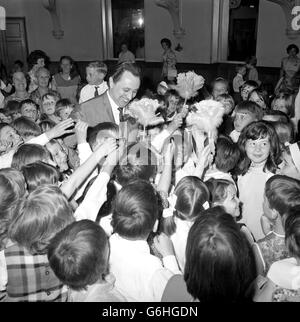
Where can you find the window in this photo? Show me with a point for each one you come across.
(128, 26)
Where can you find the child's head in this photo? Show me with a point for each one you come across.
(64, 108)
(172, 100)
(37, 58)
(58, 154)
(227, 101)
(247, 88)
(227, 154)
(241, 69)
(246, 113)
(26, 128)
(39, 173)
(260, 97)
(12, 188)
(13, 109)
(46, 125)
(162, 88)
(135, 210)
(5, 116)
(9, 138)
(281, 194)
(79, 254)
(292, 232)
(192, 199)
(291, 161)
(29, 109)
(285, 132)
(219, 86)
(67, 66)
(284, 102)
(259, 145)
(29, 153)
(39, 217)
(48, 103)
(138, 162)
(18, 66)
(275, 116)
(98, 134)
(96, 72)
(217, 248)
(223, 193)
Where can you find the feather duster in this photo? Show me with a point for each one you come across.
(188, 84)
(207, 116)
(144, 111)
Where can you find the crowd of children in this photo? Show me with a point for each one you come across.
(87, 216)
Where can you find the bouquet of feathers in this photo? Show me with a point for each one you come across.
(144, 111)
(206, 117)
(188, 84)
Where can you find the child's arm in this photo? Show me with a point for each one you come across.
(203, 161)
(166, 175)
(165, 246)
(97, 193)
(81, 173)
(159, 140)
(259, 260)
(56, 132)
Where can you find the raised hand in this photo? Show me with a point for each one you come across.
(61, 129)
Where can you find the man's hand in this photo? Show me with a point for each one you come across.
(60, 129)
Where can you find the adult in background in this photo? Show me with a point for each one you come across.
(169, 71)
(66, 81)
(290, 66)
(20, 84)
(35, 60)
(125, 55)
(43, 79)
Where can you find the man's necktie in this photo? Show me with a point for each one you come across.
(96, 91)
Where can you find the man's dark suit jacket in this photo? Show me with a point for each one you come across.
(94, 111)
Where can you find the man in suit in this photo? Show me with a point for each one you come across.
(109, 107)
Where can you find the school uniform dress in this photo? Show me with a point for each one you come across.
(91, 91)
(30, 277)
(140, 276)
(251, 188)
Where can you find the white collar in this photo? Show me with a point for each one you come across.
(112, 102)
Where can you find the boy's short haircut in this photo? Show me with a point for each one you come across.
(99, 66)
(250, 107)
(227, 154)
(225, 97)
(54, 95)
(251, 83)
(94, 133)
(78, 254)
(28, 102)
(221, 80)
(26, 127)
(135, 210)
(138, 162)
(282, 193)
(12, 107)
(62, 104)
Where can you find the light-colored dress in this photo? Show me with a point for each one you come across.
(169, 64)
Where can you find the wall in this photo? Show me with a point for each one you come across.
(197, 21)
(80, 20)
(271, 39)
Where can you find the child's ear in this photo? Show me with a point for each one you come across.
(155, 227)
(275, 214)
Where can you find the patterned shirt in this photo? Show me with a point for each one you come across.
(272, 248)
(30, 278)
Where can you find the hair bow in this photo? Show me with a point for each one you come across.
(168, 212)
